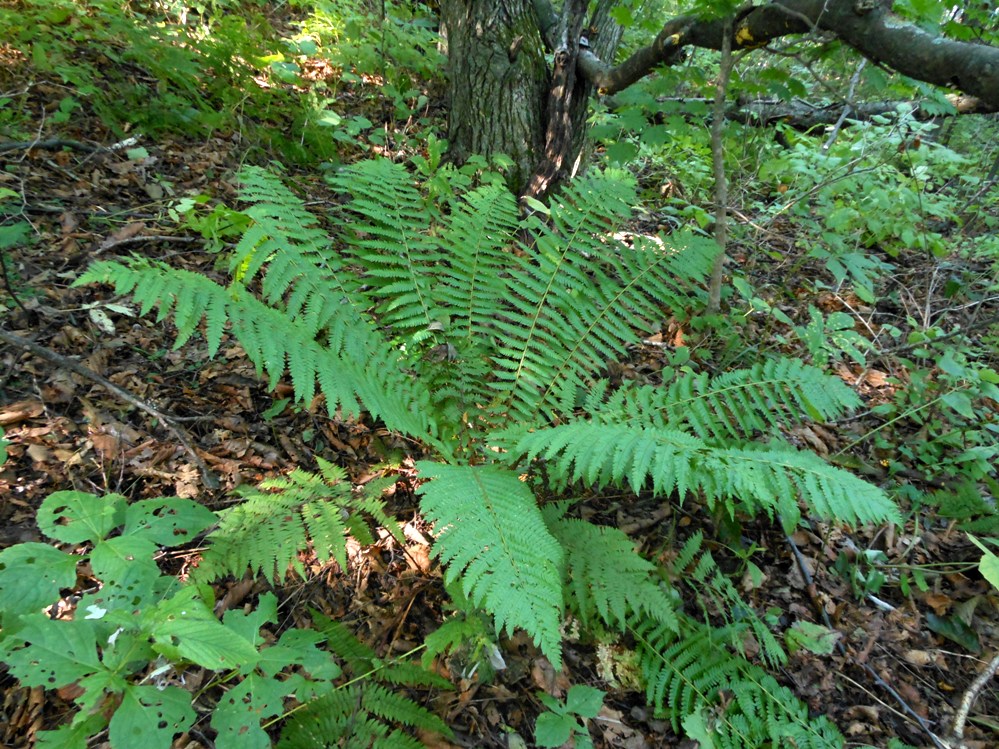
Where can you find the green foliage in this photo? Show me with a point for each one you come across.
(562, 720)
(440, 311)
(136, 616)
(362, 712)
(492, 535)
(718, 696)
(762, 399)
(750, 477)
(944, 400)
(606, 580)
(281, 516)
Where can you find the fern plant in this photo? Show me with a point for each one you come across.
(363, 713)
(281, 516)
(483, 334)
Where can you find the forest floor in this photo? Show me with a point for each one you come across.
(891, 672)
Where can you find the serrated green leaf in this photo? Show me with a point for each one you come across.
(31, 576)
(812, 637)
(584, 701)
(75, 517)
(553, 730)
(124, 556)
(73, 736)
(238, 715)
(167, 521)
(184, 628)
(150, 717)
(47, 653)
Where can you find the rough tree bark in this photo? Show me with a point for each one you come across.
(521, 75)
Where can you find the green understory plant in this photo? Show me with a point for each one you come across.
(135, 634)
(565, 720)
(483, 334)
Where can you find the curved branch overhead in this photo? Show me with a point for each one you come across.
(868, 26)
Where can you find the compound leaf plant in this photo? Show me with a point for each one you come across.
(438, 309)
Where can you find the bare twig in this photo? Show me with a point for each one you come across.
(207, 476)
(55, 144)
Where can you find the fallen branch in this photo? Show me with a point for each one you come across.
(208, 478)
(56, 144)
(956, 738)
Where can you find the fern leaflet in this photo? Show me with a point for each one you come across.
(281, 517)
(491, 534)
(736, 405)
(768, 478)
(606, 578)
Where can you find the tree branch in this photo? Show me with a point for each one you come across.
(865, 26)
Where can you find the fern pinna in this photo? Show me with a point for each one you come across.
(482, 334)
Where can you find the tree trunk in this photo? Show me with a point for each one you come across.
(498, 82)
(505, 97)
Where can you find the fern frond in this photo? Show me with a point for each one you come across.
(764, 398)
(491, 535)
(284, 516)
(361, 715)
(696, 568)
(368, 374)
(391, 244)
(578, 294)
(474, 283)
(768, 478)
(304, 275)
(685, 677)
(606, 578)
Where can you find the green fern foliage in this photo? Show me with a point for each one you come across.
(752, 477)
(283, 516)
(686, 678)
(369, 375)
(368, 711)
(579, 294)
(491, 535)
(741, 404)
(572, 296)
(695, 568)
(360, 716)
(606, 579)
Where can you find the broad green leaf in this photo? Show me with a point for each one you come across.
(74, 517)
(47, 653)
(168, 521)
(31, 576)
(150, 717)
(988, 565)
(696, 728)
(583, 700)
(956, 630)
(247, 625)
(184, 628)
(554, 730)
(73, 736)
(238, 715)
(117, 557)
(811, 637)
(304, 644)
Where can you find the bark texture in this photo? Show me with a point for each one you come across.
(498, 82)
